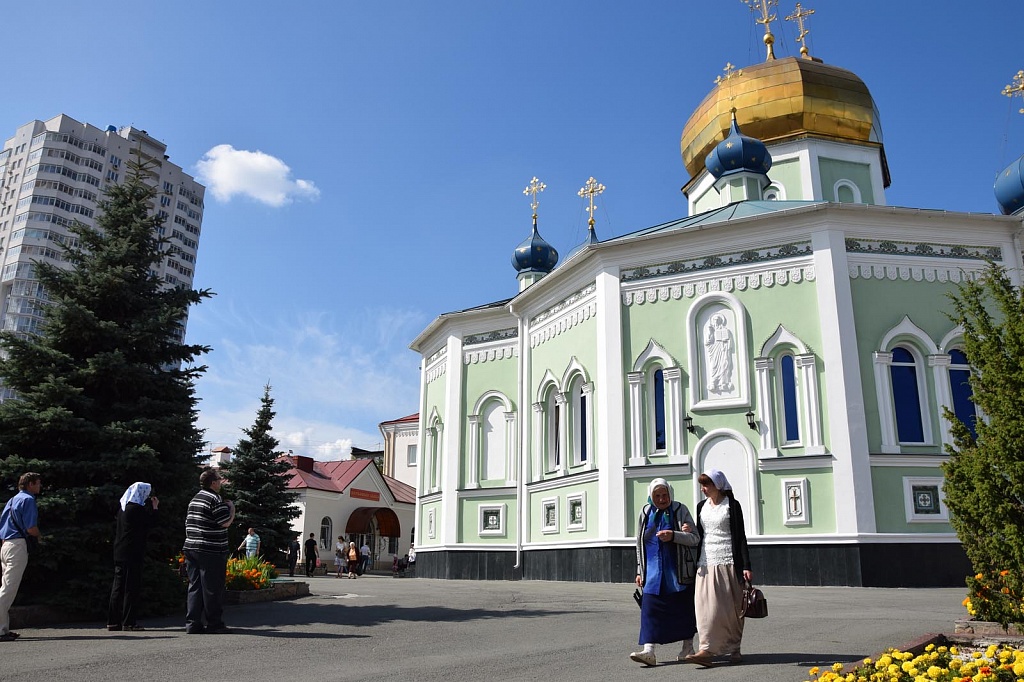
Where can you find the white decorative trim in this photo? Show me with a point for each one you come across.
(690, 287)
(945, 272)
(903, 461)
(564, 303)
(658, 470)
(654, 351)
(752, 517)
(796, 508)
(571, 311)
(796, 462)
(882, 359)
(491, 518)
(782, 336)
(549, 503)
(574, 502)
(695, 347)
(562, 482)
(485, 493)
(953, 339)
(499, 350)
(849, 185)
(437, 370)
(915, 514)
(430, 497)
(431, 524)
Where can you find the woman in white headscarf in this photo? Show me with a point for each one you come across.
(723, 567)
(134, 518)
(665, 526)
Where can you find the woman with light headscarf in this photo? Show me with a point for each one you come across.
(723, 567)
(134, 518)
(664, 528)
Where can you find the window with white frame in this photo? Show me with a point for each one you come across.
(492, 519)
(906, 395)
(580, 407)
(410, 455)
(656, 409)
(788, 404)
(795, 502)
(493, 439)
(552, 426)
(960, 390)
(326, 532)
(787, 396)
(549, 515)
(923, 500)
(846, 192)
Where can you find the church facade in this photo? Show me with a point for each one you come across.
(791, 332)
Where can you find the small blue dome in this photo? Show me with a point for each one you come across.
(738, 153)
(535, 254)
(1009, 187)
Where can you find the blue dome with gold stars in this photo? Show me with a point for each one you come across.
(738, 153)
(535, 254)
(1009, 187)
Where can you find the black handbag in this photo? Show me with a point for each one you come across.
(687, 559)
(638, 597)
(754, 603)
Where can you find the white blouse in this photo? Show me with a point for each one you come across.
(717, 537)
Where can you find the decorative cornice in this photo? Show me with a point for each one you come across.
(564, 303)
(562, 481)
(796, 462)
(495, 352)
(496, 335)
(727, 283)
(906, 461)
(440, 352)
(918, 273)
(556, 327)
(923, 249)
(716, 261)
(437, 370)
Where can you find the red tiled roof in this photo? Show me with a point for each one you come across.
(403, 492)
(410, 418)
(330, 476)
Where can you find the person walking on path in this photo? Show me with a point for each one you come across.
(134, 519)
(18, 521)
(250, 544)
(723, 567)
(664, 528)
(353, 560)
(293, 556)
(339, 555)
(206, 555)
(311, 555)
(364, 558)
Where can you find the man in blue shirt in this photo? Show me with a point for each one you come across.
(18, 520)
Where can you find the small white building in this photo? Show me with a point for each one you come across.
(401, 447)
(351, 498)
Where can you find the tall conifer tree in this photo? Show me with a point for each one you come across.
(105, 397)
(984, 486)
(259, 487)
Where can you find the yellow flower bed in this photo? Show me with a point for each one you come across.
(251, 573)
(998, 663)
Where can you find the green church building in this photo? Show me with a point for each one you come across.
(792, 331)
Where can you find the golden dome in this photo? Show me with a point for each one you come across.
(781, 100)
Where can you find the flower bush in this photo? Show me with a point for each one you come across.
(251, 573)
(997, 597)
(998, 663)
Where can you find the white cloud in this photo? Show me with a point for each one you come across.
(227, 172)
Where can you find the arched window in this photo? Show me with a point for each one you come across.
(846, 192)
(906, 396)
(326, 532)
(657, 403)
(552, 425)
(580, 435)
(788, 399)
(774, 193)
(960, 388)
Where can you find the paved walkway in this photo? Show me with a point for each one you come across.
(413, 629)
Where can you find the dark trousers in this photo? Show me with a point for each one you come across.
(125, 592)
(310, 565)
(205, 589)
(292, 560)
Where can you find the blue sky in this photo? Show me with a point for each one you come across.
(365, 161)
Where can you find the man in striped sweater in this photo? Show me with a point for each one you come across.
(206, 554)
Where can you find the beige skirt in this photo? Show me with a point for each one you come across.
(718, 598)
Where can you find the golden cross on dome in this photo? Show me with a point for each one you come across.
(589, 191)
(798, 16)
(730, 71)
(1016, 88)
(765, 9)
(535, 187)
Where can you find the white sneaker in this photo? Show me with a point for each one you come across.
(687, 651)
(645, 657)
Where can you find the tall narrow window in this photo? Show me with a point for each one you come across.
(583, 426)
(906, 396)
(410, 455)
(325, 532)
(578, 406)
(960, 387)
(791, 411)
(659, 410)
(556, 416)
(493, 442)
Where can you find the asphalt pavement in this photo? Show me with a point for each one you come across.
(412, 629)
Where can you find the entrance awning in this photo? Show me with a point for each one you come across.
(387, 521)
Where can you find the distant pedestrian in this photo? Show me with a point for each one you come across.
(311, 555)
(250, 544)
(18, 521)
(353, 560)
(206, 555)
(293, 555)
(134, 519)
(364, 558)
(339, 555)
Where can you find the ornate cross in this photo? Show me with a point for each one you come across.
(799, 15)
(589, 191)
(1016, 88)
(535, 187)
(730, 71)
(765, 8)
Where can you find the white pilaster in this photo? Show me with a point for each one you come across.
(807, 367)
(763, 368)
(637, 454)
(611, 484)
(561, 403)
(943, 394)
(588, 395)
(883, 387)
(451, 445)
(674, 414)
(473, 480)
(511, 458)
(537, 458)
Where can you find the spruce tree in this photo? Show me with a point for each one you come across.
(984, 477)
(105, 398)
(257, 482)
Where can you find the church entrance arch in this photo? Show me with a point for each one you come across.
(733, 455)
(374, 526)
